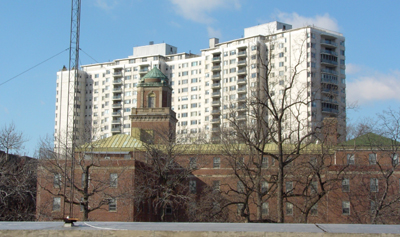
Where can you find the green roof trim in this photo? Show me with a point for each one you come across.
(119, 142)
(122, 142)
(371, 139)
(155, 73)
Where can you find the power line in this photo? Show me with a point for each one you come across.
(33, 67)
(89, 55)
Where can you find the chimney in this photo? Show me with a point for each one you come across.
(330, 131)
(213, 42)
(151, 42)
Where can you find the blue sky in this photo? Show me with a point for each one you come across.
(33, 31)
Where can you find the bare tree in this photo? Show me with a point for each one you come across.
(93, 181)
(376, 198)
(17, 188)
(17, 178)
(165, 173)
(11, 139)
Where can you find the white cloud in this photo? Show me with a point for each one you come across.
(213, 33)
(199, 11)
(106, 5)
(353, 68)
(296, 20)
(373, 86)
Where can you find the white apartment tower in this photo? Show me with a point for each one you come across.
(206, 86)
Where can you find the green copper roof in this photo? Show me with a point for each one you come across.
(371, 139)
(117, 142)
(155, 73)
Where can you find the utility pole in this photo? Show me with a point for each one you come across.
(73, 103)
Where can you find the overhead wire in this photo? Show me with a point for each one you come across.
(27, 70)
(12, 78)
(88, 55)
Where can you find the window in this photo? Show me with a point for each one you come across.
(57, 180)
(216, 185)
(192, 186)
(192, 162)
(289, 187)
(113, 180)
(345, 185)
(240, 187)
(373, 207)
(372, 159)
(184, 89)
(56, 204)
(168, 210)
(346, 208)
(314, 210)
(151, 100)
(289, 209)
(265, 208)
(264, 162)
(373, 183)
(112, 204)
(185, 73)
(395, 159)
(264, 186)
(217, 163)
(351, 159)
(313, 187)
(193, 80)
(239, 208)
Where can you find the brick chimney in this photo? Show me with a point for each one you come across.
(330, 131)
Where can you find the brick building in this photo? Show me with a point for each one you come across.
(146, 176)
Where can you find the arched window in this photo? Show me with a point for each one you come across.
(151, 100)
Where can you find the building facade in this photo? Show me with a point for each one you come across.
(224, 76)
(124, 177)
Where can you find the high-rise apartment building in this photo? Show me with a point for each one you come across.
(207, 86)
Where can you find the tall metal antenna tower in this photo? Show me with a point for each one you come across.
(73, 102)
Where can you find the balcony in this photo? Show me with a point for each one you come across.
(216, 68)
(215, 120)
(325, 70)
(216, 102)
(242, 71)
(330, 110)
(144, 70)
(242, 89)
(215, 111)
(328, 42)
(116, 122)
(327, 61)
(242, 81)
(215, 129)
(241, 117)
(117, 90)
(242, 62)
(117, 74)
(329, 100)
(330, 91)
(117, 82)
(215, 85)
(331, 81)
(216, 94)
(117, 105)
(330, 52)
(216, 59)
(242, 98)
(241, 53)
(116, 113)
(118, 129)
(242, 108)
(216, 76)
(117, 97)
